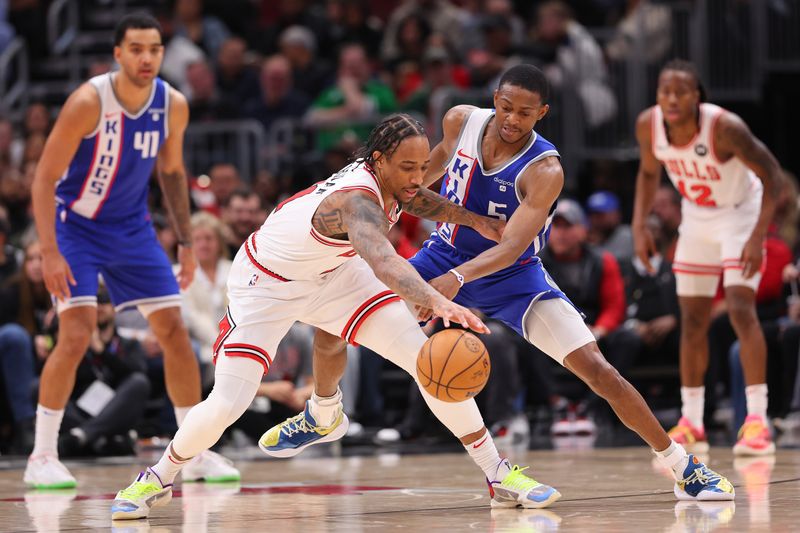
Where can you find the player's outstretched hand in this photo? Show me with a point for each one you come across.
(188, 264)
(490, 228)
(452, 312)
(752, 257)
(57, 275)
(645, 246)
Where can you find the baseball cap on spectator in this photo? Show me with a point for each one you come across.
(602, 202)
(299, 36)
(570, 211)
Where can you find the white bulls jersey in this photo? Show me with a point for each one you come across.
(696, 171)
(288, 247)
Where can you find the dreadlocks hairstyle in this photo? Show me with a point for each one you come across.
(681, 65)
(387, 136)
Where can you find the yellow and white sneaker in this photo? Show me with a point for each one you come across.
(518, 490)
(295, 434)
(143, 494)
(210, 467)
(45, 471)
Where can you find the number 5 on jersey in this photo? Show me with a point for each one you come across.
(146, 142)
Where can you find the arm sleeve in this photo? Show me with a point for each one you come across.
(612, 295)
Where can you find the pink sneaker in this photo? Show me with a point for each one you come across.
(754, 438)
(693, 439)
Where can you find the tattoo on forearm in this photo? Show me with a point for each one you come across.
(432, 206)
(176, 198)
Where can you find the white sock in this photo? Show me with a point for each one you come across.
(675, 458)
(757, 400)
(168, 466)
(325, 409)
(48, 422)
(693, 400)
(484, 453)
(180, 414)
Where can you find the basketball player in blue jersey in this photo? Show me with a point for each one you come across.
(496, 164)
(90, 206)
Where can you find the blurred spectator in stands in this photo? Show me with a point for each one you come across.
(37, 119)
(606, 230)
(277, 100)
(446, 19)
(15, 195)
(285, 389)
(11, 258)
(243, 215)
(652, 313)
(491, 59)
(224, 180)
(166, 236)
(205, 31)
(572, 59)
(7, 158)
(484, 9)
(667, 207)
(357, 96)
(438, 72)
(645, 28)
(350, 22)
(7, 32)
(205, 101)
(289, 13)
(34, 146)
(406, 65)
(28, 17)
(591, 279)
(268, 189)
(110, 394)
(787, 210)
(205, 301)
(310, 74)
(24, 313)
(237, 81)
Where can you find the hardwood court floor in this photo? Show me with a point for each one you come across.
(603, 490)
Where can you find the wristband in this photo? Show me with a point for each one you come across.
(458, 276)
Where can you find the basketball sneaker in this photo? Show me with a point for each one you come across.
(693, 439)
(295, 434)
(518, 490)
(210, 467)
(700, 483)
(143, 494)
(45, 471)
(754, 438)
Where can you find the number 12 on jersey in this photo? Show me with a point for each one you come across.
(146, 142)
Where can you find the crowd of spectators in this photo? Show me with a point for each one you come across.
(334, 66)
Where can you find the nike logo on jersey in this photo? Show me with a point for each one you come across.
(462, 154)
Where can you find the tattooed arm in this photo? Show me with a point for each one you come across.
(366, 227)
(172, 178)
(732, 138)
(433, 206)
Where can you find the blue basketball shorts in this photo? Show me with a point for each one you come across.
(128, 256)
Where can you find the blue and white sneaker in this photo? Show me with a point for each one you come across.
(700, 483)
(518, 490)
(295, 434)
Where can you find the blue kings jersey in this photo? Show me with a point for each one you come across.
(108, 178)
(492, 193)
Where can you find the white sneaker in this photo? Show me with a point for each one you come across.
(45, 471)
(143, 494)
(210, 467)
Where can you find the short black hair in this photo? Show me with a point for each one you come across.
(681, 65)
(387, 136)
(136, 21)
(527, 77)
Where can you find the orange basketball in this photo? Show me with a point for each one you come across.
(453, 365)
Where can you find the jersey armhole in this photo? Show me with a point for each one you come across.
(546, 153)
(166, 108)
(458, 139)
(653, 130)
(96, 129)
(712, 137)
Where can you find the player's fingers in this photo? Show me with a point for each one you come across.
(70, 277)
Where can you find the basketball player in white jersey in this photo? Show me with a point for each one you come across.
(322, 257)
(729, 181)
(496, 164)
(90, 207)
